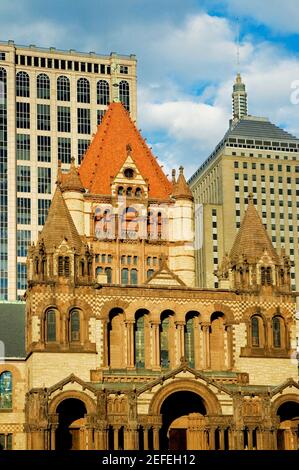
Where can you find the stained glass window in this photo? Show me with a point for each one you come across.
(6, 390)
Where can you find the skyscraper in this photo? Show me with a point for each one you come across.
(50, 104)
(257, 157)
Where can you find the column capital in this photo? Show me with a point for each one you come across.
(179, 323)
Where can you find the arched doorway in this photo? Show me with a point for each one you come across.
(183, 422)
(288, 431)
(70, 433)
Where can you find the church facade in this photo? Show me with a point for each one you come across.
(122, 350)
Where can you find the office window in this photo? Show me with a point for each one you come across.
(43, 148)
(23, 242)
(23, 210)
(100, 115)
(63, 119)
(63, 89)
(103, 92)
(82, 147)
(253, 166)
(43, 117)
(83, 90)
(22, 84)
(236, 164)
(21, 276)
(43, 208)
(64, 149)
(43, 86)
(123, 69)
(23, 147)
(23, 179)
(23, 115)
(124, 94)
(2, 55)
(83, 115)
(134, 277)
(44, 180)
(244, 165)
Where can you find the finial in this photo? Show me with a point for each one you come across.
(181, 170)
(72, 161)
(59, 173)
(173, 175)
(250, 198)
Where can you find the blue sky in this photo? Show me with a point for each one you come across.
(186, 51)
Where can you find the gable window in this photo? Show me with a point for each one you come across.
(255, 332)
(75, 326)
(50, 325)
(276, 328)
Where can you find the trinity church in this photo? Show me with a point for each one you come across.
(122, 351)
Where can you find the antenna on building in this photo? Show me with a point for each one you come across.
(239, 96)
(238, 45)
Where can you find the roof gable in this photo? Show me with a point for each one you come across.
(107, 153)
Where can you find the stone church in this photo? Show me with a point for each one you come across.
(122, 350)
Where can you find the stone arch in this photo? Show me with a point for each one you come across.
(227, 312)
(85, 307)
(249, 312)
(108, 306)
(283, 399)
(186, 385)
(87, 400)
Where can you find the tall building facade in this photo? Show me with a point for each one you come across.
(51, 102)
(257, 157)
(121, 350)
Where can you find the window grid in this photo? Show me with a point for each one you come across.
(83, 120)
(23, 115)
(124, 94)
(22, 85)
(63, 89)
(23, 147)
(43, 209)
(23, 210)
(44, 180)
(43, 148)
(43, 117)
(103, 92)
(63, 119)
(22, 276)
(3, 186)
(43, 86)
(23, 179)
(23, 242)
(64, 149)
(83, 91)
(82, 147)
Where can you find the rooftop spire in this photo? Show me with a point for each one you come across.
(239, 99)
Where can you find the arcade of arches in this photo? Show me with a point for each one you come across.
(183, 413)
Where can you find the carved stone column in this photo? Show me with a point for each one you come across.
(115, 437)
(196, 332)
(155, 345)
(145, 437)
(221, 439)
(130, 344)
(130, 438)
(212, 430)
(101, 438)
(206, 345)
(156, 437)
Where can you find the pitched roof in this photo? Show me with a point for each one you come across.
(180, 188)
(252, 239)
(107, 153)
(71, 181)
(59, 225)
(12, 331)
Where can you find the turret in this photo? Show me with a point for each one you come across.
(73, 191)
(239, 98)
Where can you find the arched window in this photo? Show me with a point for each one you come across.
(164, 342)
(50, 326)
(266, 276)
(108, 272)
(43, 86)
(124, 94)
(255, 332)
(138, 192)
(276, 328)
(139, 341)
(189, 341)
(125, 276)
(5, 390)
(75, 326)
(129, 192)
(99, 270)
(64, 266)
(134, 277)
(22, 84)
(120, 191)
(217, 341)
(103, 92)
(83, 91)
(63, 88)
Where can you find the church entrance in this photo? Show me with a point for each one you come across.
(70, 434)
(183, 422)
(288, 432)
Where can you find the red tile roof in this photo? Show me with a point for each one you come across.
(107, 153)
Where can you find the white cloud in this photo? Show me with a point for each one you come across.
(281, 16)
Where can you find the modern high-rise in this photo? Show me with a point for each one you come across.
(254, 156)
(51, 102)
